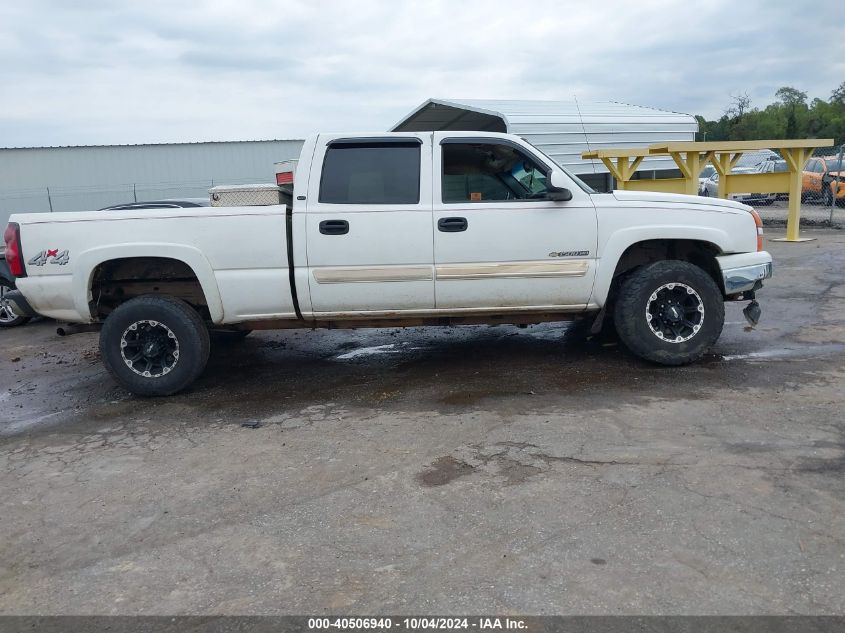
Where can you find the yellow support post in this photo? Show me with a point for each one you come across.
(724, 162)
(795, 158)
(619, 163)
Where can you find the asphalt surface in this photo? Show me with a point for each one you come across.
(464, 470)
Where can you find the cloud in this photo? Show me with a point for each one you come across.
(127, 72)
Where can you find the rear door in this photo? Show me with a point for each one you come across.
(498, 242)
(368, 225)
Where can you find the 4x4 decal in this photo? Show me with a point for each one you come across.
(50, 256)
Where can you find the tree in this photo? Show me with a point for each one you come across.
(790, 116)
(792, 97)
(740, 104)
(837, 97)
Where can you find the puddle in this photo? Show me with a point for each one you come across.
(390, 348)
(786, 353)
(444, 470)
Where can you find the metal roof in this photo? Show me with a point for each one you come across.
(271, 140)
(561, 129)
(95, 176)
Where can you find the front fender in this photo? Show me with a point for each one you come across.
(622, 239)
(87, 262)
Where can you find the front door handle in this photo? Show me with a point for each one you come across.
(334, 227)
(452, 225)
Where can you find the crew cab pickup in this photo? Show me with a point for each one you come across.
(442, 228)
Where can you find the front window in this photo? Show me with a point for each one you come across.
(583, 185)
(490, 172)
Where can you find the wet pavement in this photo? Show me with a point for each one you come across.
(439, 470)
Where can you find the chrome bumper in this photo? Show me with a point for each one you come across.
(744, 272)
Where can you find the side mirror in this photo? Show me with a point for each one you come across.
(557, 190)
(559, 195)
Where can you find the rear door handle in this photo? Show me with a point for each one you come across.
(334, 227)
(452, 225)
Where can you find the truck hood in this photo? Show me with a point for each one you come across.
(655, 197)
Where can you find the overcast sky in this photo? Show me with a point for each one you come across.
(99, 72)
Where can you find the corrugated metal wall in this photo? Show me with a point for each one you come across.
(562, 129)
(85, 178)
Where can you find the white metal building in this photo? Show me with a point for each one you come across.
(32, 179)
(562, 129)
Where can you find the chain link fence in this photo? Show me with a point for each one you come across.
(822, 186)
(823, 181)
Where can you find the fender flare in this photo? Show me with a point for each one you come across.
(86, 262)
(623, 239)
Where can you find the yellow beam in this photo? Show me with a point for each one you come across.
(756, 183)
(738, 146)
(634, 166)
(663, 185)
(681, 162)
(612, 168)
(616, 152)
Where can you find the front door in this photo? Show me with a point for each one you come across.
(498, 242)
(368, 225)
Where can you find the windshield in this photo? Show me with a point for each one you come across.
(707, 172)
(834, 164)
(587, 188)
(780, 166)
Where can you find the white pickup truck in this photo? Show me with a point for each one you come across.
(442, 228)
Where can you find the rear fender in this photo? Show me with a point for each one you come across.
(86, 262)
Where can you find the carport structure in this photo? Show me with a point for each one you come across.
(691, 157)
(562, 129)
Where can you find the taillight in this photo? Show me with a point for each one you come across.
(284, 178)
(14, 257)
(758, 222)
(285, 172)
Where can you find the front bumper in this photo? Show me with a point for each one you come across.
(744, 272)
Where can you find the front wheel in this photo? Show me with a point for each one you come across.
(669, 312)
(154, 345)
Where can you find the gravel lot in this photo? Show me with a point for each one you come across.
(461, 470)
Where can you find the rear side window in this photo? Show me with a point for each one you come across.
(371, 173)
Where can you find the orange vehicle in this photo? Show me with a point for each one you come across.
(818, 180)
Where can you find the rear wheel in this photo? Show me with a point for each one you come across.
(8, 316)
(154, 345)
(669, 312)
